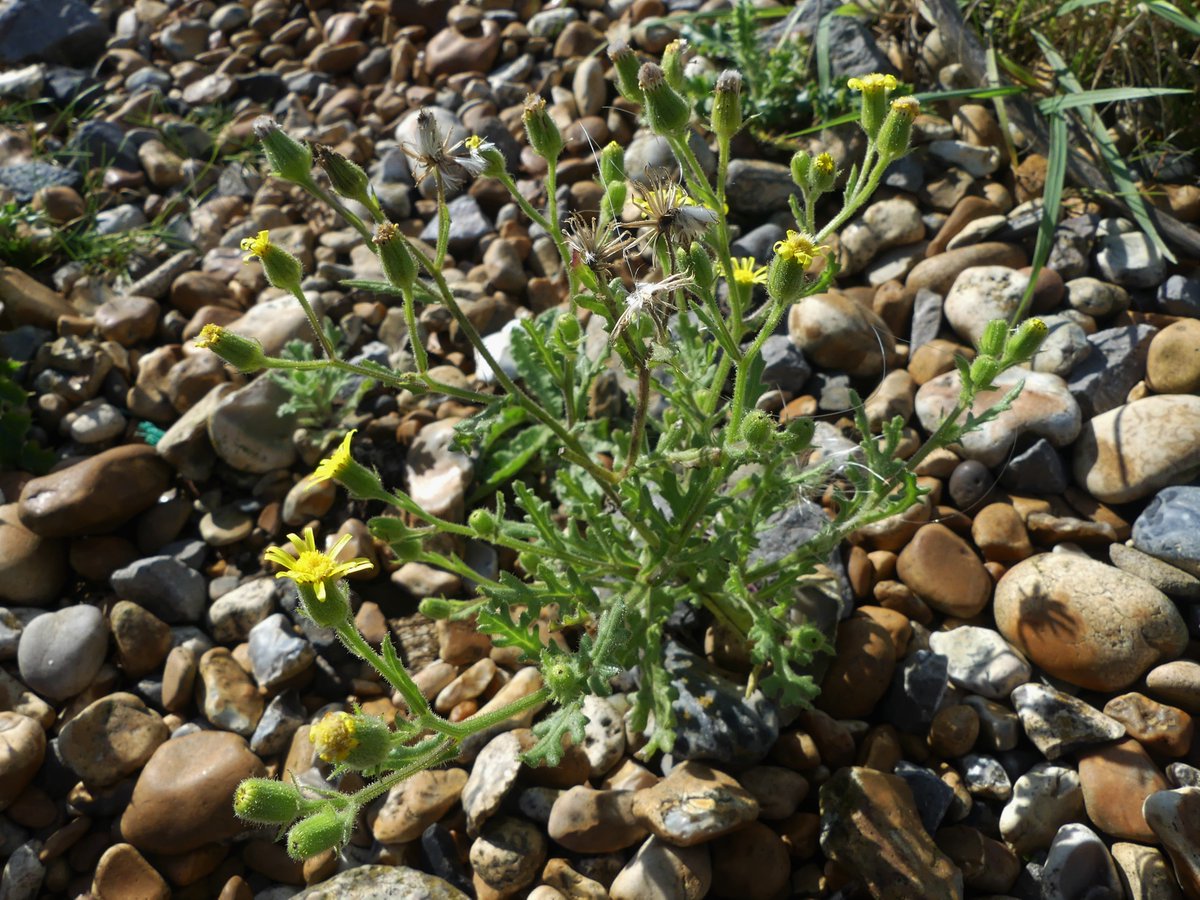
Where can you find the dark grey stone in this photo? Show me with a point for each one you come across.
(305, 82)
(852, 47)
(66, 85)
(931, 795)
(1180, 296)
(468, 225)
(1038, 469)
(1169, 528)
(54, 31)
(759, 188)
(714, 720)
(969, 483)
(98, 143)
(148, 77)
(440, 850)
(261, 87)
(905, 174)
(785, 367)
(759, 243)
(1183, 775)
(25, 179)
(280, 720)
(926, 319)
(1069, 253)
(162, 584)
(1117, 362)
(917, 690)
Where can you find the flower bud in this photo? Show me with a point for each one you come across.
(544, 136)
(896, 131)
(398, 265)
(436, 608)
(567, 335)
(874, 89)
(345, 177)
(699, 263)
(289, 159)
(822, 174)
(265, 801)
(330, 612)
(667, 113)
(625, 63)
(404, 541)
(672, 63)
(801, 166)
(282, 269)
(323, 830)
(244, 354)
(995, 333)
(798, 434)
(614, 199)
(757, 429)
(612, 164)
(373, 742)
(1024, 342)
(482, 522)
(727, 105)
(983, 370)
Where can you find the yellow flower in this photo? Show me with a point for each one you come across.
(257, 246)
(873, 82)
(209, 336)
(311, 566)
(333, 737)
(824, 164)
(798, 246)
(335, 464)
(907, 106)
(746, 272)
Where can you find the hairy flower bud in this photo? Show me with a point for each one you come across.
(673, 61)
(323, 830)
(757, 429)
(347, 178)
(995, 333)
(793, 256)
(1024, 342)
(625, 64)
(282, 269)
(289, 159)
(822, 174)
(398, 265)
(700, 264)
(265, 801)
(482, 522)
(798, 434)
(667, 113)
(544, 136)
(612, 163)
(244, 354)
(436, 608)
(801, 165)
(896, 131)
(727, 105)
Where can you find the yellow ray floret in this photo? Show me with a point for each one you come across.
(333, 737)
(335, 464)
(873, 82)
(798, 246)
(256, 247)
(745, 271)
(312, 566)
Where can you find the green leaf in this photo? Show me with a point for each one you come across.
(529, 351)
(1071, 5)
(824, 77)
(505, 461)
(1053, 105)
(366, 284)
(1171, 13)
(548, 751)
(1056, 175)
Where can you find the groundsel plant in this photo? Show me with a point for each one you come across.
(637, 511)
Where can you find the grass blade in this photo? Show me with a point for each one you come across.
(1056, 176)
(1071, 5)
(1171, 13)
(1104, 95)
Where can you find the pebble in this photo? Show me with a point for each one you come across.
(1180, 296)
(1167, 578)
(1145, 872)
(1044, 408)
(416, 803)
(61, 652)
(280, 720)
(1177, 683)
(1174, 816)
(1059, 724)
(1173, 364)
(1168, 528)
(246, 431)
(1078, 866)
(1130, 452)
(1116, 779)
(1096, 298)
(943, 570)
(372, 881)
(178, 806)
(938, 273)
(24, 872)
(861, 669)
(1130, 260)
(980, 660)
(999, 727)
(603, 736)
(1161, 729)
(984, 777)
(1117, 363)
(585, 820)
(277, 653)
(226, 695)
(752, 863)
(231, 616)
(32, 568)
(693, 804)
(839, 333)
(111, 739)
(663, 871)
(437, 476)
(871, 828)
(980, 294)
(1044, 799)
(22, 749)
(171, 590)
(1085, 622)
(1064, 347)
(17, 698)
(93, 422)
(492, 776)
(954, 730)
(507, 855)
(96, 495)
(123, 872)
(141, 638)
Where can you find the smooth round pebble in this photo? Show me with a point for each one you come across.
(61, 652)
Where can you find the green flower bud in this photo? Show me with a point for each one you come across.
(874, 89)
(727, 105)
(331, 611)
(983, 370)
(398, 265)
(822, 174)
(244, 354)
(289, 159)
(612, 164)
(527, 561)
(373, 742)
(757, 429)
(995, 333)
(667, 113)
(614, 199)
(1024, 342)
(700, 264)
(324, 830)
(625, 64)
(265, 801)
(482, 522)
(896, 131)
(672, 63)
(437, 608)
(347, 178)
(801, 165)
(544, 136)
(281, 268)
(567, 335)
(798, 434)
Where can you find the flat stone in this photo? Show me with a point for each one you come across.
(508, 854)
(1169, 528)
(1078, 865)
(277, 653)
(603, 736)
(1174, 816)
(694, 804)
(371, 882)
(226, 695)
(585, 820)
(232, 615)
(980, 660)
(1116, 363)
(111, 739)
(246, 431)
(1159, 728)
(171, 590)
(32, 568)
(861, 669)
(416, 803)
(943, 570)
(1087, 623)
(492, 776)
(1177, 683)
(837, 332)
(1130, 452)
(939, 272)
(1170, 580)
(1145, 872)
(662, 871)
(1116, 779)
(1059, 724)
(1130, 260)
(1044, 799)
(22, 749)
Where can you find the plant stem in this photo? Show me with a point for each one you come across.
(315, 322)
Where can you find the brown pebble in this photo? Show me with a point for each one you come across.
(953, 731)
